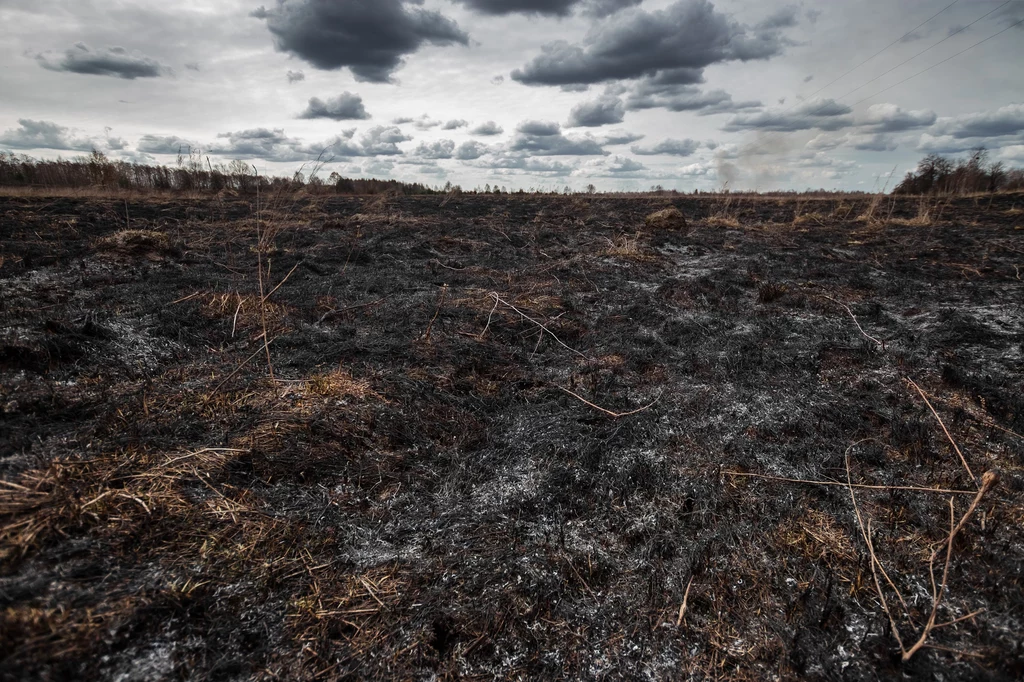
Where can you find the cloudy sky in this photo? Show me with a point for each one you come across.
(624, 94)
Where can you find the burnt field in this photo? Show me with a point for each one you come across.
(511, 438)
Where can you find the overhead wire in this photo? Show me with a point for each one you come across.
(898, 40)
(832, 102)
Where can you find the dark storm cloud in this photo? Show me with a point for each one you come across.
(345, 107)
(489, 128)
(442, 149)
(785, 17)
(164, 144)
(261, 143)
(421, 122)
(544, 138)
(648, 95)
(497, 7)
(877, 142)
(44, 135)
(370, 37)
(108, 61)
(602, 111)
(671, 147)
(558, 8)
(821, 114)
(1007, 120)
(604, 8)
(382, 141)
(889, 118)
(621, 137)
(613, 166)
(523, 162)
(539, 128)
(468, 151)
(275, 145)
(689, 34)
(1012, 15)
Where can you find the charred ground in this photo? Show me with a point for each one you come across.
(417, 493)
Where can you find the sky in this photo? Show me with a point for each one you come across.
(621, 94)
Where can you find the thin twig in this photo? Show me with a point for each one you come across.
(497, 298)
(614, 415)
(682, 607)
(963, 460)
(854, 318)
(239, 368)
(959, 620)
(936, 595)
(186, 298)
(488, 325)
(440, 302)
(347, 309)
(912, 488)
(259, 270)
(281, 283)
(871, 551)
(993, 425)
(234, 321)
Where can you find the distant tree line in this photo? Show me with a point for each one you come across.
(190, 174)
(974, 174)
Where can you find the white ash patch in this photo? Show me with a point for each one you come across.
(136, 347)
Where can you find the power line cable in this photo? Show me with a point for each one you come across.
(1013, 25)
(779, 117)
(898, 40)
(934, 45)
(834, 101)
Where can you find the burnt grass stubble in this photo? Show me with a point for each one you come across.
(405, 505)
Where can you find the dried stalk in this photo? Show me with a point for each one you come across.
(498, 299)
(963, 460)
(874, 559)
(854, 318)
(281, 283)
(440, 302)
(259, 270)
(682, 607)
(989, 479)
(614, 415)
(910, 488)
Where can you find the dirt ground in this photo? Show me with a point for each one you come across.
(514, 438)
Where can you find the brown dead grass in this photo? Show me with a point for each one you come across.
(817, 536)
(340, 384)
(243, 310)
(722, 221)
(628, 248)
(138, 243)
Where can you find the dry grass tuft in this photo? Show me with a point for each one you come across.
(813, 218)
(628, 248)
(340, 384)
(923, 218)
(817, 536)
(666, 219)
(245, 312)
(137, 243)
(722, 221)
